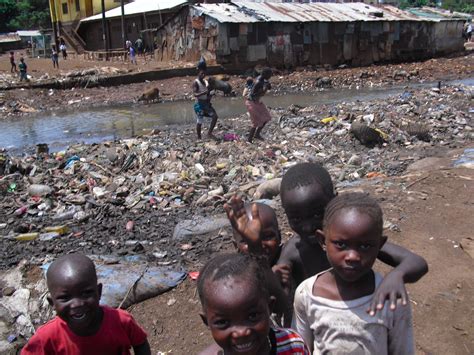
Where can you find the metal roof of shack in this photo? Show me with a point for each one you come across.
(249, 12)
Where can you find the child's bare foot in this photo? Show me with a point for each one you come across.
(211, 136)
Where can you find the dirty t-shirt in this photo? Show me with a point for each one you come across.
(117, 334)
(345, 327)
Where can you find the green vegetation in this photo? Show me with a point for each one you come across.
(454, 5)
(24, 15)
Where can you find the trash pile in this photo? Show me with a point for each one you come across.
(133, 196)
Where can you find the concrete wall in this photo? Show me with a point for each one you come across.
(316, 43)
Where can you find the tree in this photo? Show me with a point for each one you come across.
(24, 14)
(8, 10)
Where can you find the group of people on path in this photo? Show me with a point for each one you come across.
(341, 305)
(133, 50)
(253, 92)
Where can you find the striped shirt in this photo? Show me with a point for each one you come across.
(286, 342)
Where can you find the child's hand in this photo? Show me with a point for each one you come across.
(391, 288)
(283, 272)
(249, 229)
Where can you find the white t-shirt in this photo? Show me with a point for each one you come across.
(345, 327)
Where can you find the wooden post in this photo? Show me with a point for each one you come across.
(123, 24)
(104, 29)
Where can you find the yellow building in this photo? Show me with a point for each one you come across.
(66, 14)
(69, 11)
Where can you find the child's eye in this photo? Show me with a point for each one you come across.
(365, 246)
(340, 245)
(254, 316)
(221, 323)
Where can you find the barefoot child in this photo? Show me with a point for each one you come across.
(12, 63)
(81, 325)
(305, 191)
(236, 308)
(55, 57)
(23, 69)
(203, 106)
(259, 114)
(330, 307)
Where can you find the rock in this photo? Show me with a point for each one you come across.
(268, 189)
(365, 134)
(199, 225)
(355, 160)
(8, 291)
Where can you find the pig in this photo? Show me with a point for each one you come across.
(150, 95)
(220, 85)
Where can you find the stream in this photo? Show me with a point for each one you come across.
(60, 129)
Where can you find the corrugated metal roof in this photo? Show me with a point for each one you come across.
(29, 33)
(139, 7)
(433, 12)
(249, 12)
(9, 37)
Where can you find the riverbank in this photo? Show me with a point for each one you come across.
(24, 102)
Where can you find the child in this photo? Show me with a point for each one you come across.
(236, 308)
(55, 57)
(259, 114)
(248, 87)
(82, 326)
(305, 191)
(264, 239)
(133, 58)
(23, 68)
(330, 307)
(62, 48)
(12, 62)
(203, 106)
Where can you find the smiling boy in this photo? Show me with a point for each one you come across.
(81, 325)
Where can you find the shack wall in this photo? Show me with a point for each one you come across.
(187, 37)
(91, 31)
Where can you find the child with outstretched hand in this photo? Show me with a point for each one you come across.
(236, 306)
(81, 325)
(256, 233)
(306, 189)
(330, 307)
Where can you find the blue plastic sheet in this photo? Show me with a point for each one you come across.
(118, 278)
(466, 160)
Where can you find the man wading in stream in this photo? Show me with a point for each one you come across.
(203, 106)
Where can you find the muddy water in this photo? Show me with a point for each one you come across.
(96, 125)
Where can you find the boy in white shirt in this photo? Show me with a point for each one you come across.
(330, 308)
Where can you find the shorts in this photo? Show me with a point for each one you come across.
(203, 109)
(23, 76)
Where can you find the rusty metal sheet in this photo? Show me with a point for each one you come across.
(251, 12)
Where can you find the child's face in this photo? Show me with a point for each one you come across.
(75, 298)
(352, 243)
(304, 207)
(201, 74)
(271, 238)
(238, 316)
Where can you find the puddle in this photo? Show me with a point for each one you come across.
(96, 125)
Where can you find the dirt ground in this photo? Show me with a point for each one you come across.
(433, 208)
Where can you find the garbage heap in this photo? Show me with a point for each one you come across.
(161, 195)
